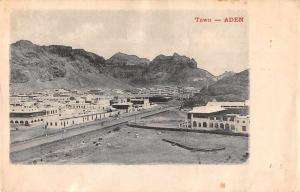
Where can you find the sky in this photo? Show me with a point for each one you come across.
(216, 47)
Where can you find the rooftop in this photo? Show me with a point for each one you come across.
(207, 109)
(244, 103)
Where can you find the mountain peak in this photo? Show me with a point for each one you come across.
(23, 43)
(34, 67)
(225, 74)
(176, 54)
(125, 59)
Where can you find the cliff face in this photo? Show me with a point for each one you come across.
(231, 88)
(171, 64)
(225, 74)
(178, 69)
(35, 67)
(128, 68)
(162, 70)
(122, 59)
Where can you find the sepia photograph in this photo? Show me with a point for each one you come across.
(129, 87)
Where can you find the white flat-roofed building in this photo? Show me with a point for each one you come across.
(53, 98)
(224, 117)
(66, 120)
(81, 106)
(102, 102)
(23, 105)
(123, 107)
(242, 123)
(228, 104)
(27, 116)
(140, 103)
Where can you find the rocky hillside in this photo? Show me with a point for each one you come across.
(162, 70)
(225, 74)
(122, 59)
(128, 68)
(178, 69)
(231, 88)
(36, 67)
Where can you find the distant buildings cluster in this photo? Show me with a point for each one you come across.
(61, 108)
(178, 92)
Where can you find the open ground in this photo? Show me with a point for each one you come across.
(127, 145)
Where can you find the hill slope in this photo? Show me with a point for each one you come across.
(225, 74)
(162, 70)
(36, 67)
(230, 88)
(121, 59)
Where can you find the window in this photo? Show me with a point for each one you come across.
(227, 126)
(211, 118)
(243, 121)
(224, 118)
(11, 121)
(196, 115)
(55, 123)
(211, 125)
(73, 122)
(204, 124)
(231, 118)
(21, 121)
(218, 118)
(199, 124)
(237, 121)
(243, 128)
(50, 123)
(222, 125)
(232, 127)
(194, 124)
(216, 125)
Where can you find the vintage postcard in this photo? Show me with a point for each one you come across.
(112, 87)
(146, 94)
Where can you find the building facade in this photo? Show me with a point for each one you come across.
(234, 119)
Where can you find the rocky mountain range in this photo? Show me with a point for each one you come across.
(122, 59)
(162, 70)
(225, 74)
(231, 88)
(35, 67)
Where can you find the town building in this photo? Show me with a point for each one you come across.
(27, 117)
(229, 116)
(124, 107)
(67, 120)
(140, 103)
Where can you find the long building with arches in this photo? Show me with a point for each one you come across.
(232, 117)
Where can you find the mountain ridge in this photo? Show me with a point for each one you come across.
(36, 67)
